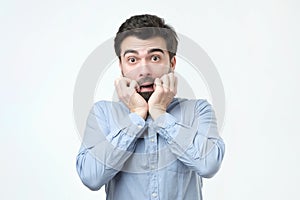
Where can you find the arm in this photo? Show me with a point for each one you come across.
(197, 144)
(104, 150)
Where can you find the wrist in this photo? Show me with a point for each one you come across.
(140, 112)
(155, 113)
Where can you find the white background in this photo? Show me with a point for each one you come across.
(254, 45)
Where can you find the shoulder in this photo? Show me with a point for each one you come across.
(111, 109)
(187, 110)
(105, 103)
(197, 106)
(190, 102)
(189, 106)
(107, 106)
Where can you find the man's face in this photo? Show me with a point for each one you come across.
(145, 60)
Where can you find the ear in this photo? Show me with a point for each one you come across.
(173, 63)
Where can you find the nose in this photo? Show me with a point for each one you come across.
(144, 69)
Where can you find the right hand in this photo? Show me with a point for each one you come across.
(127, 93)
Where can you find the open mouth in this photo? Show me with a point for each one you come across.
(146, 87)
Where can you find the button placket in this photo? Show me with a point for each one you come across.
(153, 161)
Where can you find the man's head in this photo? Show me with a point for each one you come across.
(146, 48)
(145, 27)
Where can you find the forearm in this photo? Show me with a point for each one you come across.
(196, 144)
(204, 155)
(91, 171)
(96, 167)
(105, 149)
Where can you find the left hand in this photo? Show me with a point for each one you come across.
(164, 91)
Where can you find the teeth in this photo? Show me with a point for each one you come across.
(146, 86)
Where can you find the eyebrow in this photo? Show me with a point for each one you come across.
(155, 50)
(149, 51)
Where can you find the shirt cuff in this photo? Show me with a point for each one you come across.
(165, 126)
(137, 120)
(132, 125)
(130, 128)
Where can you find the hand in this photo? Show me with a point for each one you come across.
(127, 92)
(165, 89)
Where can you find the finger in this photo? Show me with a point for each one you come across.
(122, 85)
(127, 81)
(121, 78)
(175, 85)
(118, 81)
(118, 86)
(134, 85)
(157, 83)
(165, 81)
(171, 82)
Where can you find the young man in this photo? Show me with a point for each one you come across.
(149, 145)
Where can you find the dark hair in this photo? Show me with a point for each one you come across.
(145, 27)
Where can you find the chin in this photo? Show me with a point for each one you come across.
(146, 95)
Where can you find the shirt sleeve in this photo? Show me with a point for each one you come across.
(198, 144)
(105, 149)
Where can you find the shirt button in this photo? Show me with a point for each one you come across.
(140, 126)
(152, 167)
(152, 140)
(154, 194)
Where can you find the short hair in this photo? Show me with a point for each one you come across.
(144, 27)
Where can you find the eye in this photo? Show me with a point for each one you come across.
(155, 58)
(131, 59)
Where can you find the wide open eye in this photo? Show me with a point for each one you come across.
(131, 60)
(155, 58)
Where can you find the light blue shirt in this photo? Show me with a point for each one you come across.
(139, 159)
